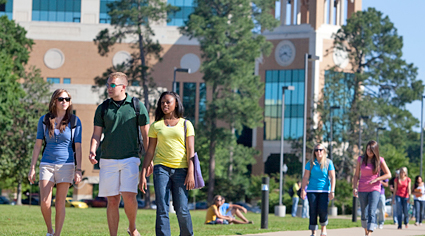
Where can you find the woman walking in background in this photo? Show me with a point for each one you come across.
(419, 199)
(319, 177)
(57, 163)
(402, 191)
(173, 148)
(368, 181)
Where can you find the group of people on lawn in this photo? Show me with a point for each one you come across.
(169, 143)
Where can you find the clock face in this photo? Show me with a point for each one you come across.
(285, 53)
(340, 58)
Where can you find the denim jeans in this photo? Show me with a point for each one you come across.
(318, 207)
(368, 204)
(305, 208)
(395, 212)
(419, 206)
(295, 206)
(381, 208)
(402, 209)
(165, 180)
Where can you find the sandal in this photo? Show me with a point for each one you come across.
(49, 234)
(129, 233)
(324, 234)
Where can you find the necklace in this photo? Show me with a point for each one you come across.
(168, 123)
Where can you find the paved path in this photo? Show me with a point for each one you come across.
(389, 230)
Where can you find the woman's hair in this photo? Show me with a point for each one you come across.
(53, 112)
(416, 181)
(323, 161)
(215, 198)
(179, 110)
(376, 159)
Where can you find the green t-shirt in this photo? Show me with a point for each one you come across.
(120, 129)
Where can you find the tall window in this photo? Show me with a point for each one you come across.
(103, 14)
(339, 90)
(56, 10)
(189, 101)
(7, 9)
(186, 8)
(294, 104)
(202, 101)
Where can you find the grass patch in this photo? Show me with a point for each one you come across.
(27, 220)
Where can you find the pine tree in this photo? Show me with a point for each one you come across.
(224, 29)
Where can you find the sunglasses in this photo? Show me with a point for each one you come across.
(219, 200)
(60, 99)
(318, 150)
(112, 85)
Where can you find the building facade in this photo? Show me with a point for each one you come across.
(63, 32)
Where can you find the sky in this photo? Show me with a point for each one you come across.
(406, 16)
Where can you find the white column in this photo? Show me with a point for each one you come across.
(292, 11)
(325, 12)
(90, 10)
(22, 10)
(298, 12)
(341, 10)
(331, 12)
(338, 12)
(283, 4)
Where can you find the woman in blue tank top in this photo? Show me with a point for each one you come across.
(57, 163)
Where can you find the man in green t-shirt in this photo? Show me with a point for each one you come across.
(119, 161)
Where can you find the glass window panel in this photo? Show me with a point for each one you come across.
(172, 2)
(77, 5)
(287, 125)
(66, 80)
(189, 100)
(178, 88)
(179, 14)
(43, 16)
(44, 5)
(35, 15)
(268, 76)
(178, 3)
(179, 22)
(53, 80)
(188, 3)
(36, 5)
(9, 6)
(51, 16)
(68, 17)
(69, 5)
(60, 16)
(103, 7)
(202, 101)
(52, 5)
(61, 6)
(300, 76)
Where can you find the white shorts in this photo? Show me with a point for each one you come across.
(118, 175)
(57, 173)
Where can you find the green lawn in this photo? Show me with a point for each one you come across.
(27, 220)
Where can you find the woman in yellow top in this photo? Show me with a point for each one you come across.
(171, 152)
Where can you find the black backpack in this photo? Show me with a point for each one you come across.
(299, 192)
(72, 121)
(135, 103)
(291, 191)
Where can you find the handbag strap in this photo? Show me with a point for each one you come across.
(185, 131)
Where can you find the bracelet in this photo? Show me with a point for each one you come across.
(332, 191)
(78, 170)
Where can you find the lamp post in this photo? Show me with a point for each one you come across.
(422, 132)
(354, 218)
(307, 57)
(280, 209)
(186, 70)
(377, 133)
(330, 142)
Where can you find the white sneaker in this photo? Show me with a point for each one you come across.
(381, 226)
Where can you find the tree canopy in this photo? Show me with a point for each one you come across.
(225, 31)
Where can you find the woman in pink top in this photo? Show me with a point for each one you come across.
(368, 181)
(402, 191)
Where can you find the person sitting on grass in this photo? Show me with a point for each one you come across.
(218, 215)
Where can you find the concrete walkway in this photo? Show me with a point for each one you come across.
(388, 230)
